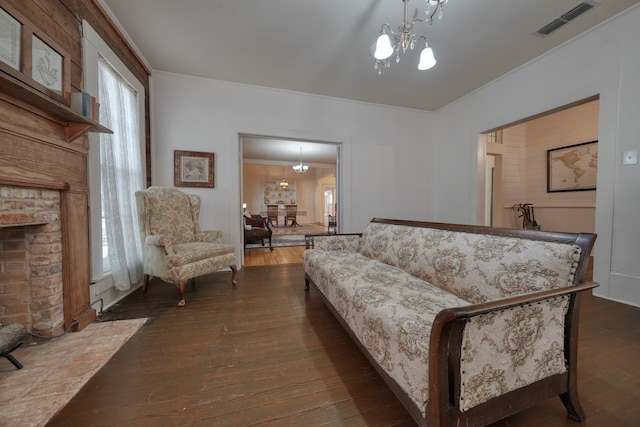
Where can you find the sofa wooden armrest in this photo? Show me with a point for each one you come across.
(445, 347)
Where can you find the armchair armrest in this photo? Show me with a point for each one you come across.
(461, 331)
(159, 240)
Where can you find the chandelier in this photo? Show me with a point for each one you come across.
(283, 182)
(300, 168)
(406, 38)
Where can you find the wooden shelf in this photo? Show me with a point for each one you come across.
(77, 124)
(22, 224)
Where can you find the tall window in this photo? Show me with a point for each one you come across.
(120, 176)
(116, 165)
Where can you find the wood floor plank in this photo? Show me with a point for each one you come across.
(267, 353)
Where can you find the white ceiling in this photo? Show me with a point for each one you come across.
(324, 47)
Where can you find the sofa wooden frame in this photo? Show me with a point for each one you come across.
(447, 335)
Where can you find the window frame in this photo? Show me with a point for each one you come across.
(93, 46)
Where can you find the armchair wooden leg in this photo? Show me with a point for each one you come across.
(181, 287)
(234, 271)
(145, 283)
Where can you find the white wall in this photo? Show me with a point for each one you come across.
(386, 153)
(604, 61)
(389, 166)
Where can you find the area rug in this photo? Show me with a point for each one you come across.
(55, 370)
(299, 229)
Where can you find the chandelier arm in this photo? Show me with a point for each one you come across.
(416, 19)
(390, 30)
(435, 10)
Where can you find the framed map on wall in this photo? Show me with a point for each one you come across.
(572, 168)
(276, 195)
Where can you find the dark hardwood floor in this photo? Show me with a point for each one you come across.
(268, 353)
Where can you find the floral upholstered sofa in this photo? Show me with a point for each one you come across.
(466, 324)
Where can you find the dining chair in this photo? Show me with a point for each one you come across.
(291, 213)
(272, 214)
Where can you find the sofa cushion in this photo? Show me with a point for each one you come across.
(390, 311)
(475, 267)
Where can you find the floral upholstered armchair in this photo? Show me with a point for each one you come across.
(174, 248)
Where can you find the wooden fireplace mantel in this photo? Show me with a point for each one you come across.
(41, 146)
(76, 124)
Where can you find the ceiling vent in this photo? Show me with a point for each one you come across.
(569, 15)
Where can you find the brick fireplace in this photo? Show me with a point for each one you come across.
(31, 279)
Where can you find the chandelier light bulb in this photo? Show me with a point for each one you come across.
(383, 47)
(406, 38)
(427, 60)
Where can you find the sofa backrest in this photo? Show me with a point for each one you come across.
(474, 266)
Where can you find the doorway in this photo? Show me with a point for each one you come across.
(268, 162)
(514, 169)
(330, 204)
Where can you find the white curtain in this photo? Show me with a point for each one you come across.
(121, 175)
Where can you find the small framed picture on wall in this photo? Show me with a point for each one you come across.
(193, 169)
(10, 43)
